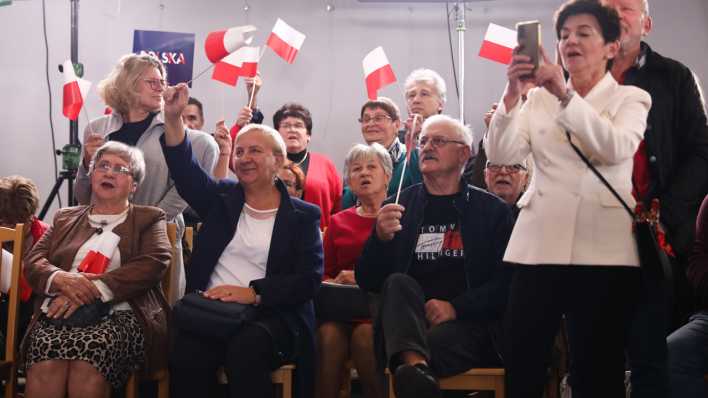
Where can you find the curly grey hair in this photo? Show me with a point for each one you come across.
(132, 155)
(362, 151)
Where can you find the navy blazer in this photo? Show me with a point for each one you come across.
(485, 224)
(295, 259)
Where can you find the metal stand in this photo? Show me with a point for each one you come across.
(69, 169)
(460, 18)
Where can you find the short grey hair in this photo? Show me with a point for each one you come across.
(132, 155)
(276, 141)
(362, 151)
(428, 76)
(463, 132)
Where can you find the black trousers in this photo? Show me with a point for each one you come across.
(248, 358)
(450, 348)
(598, 304)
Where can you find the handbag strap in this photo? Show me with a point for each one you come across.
(600, 176)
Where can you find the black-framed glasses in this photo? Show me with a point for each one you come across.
(510, 168)
(437, 142)
(105, 166)
(378, 119)
(156, 84)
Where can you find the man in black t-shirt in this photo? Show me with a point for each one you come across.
(436, 261)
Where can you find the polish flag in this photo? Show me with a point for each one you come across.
(377, 72)
(242, 62)
(285, 41)
(75, 92)
(223, 42)
(498, 44)
(99, 256)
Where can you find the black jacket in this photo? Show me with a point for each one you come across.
(295, 260)
(485, 223)
(677, 143)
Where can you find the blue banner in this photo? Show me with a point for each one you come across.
(175, 50)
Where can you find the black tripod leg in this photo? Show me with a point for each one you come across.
(50, 198)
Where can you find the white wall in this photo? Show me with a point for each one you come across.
(326, 77)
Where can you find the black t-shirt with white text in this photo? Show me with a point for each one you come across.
(439, 258)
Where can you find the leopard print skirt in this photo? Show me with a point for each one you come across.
(115, 346)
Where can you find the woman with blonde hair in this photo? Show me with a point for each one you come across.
(133, 90)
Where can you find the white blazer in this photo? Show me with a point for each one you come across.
(567, 215)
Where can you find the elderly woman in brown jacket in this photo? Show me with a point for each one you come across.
(100, 313)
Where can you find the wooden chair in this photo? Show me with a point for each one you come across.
(283, 377)
(482, 379)
(162, 376)
(8, 365)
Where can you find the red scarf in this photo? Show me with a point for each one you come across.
(37, 229)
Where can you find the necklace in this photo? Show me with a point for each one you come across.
(303, 158)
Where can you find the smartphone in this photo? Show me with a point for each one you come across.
(528, 36)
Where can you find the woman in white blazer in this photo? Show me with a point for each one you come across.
(572, 244)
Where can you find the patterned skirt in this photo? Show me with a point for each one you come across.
(115, 346)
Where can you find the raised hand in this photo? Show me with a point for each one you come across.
(91, 145)
(388, 222)
(176, 98)
(244, 116)
(519, 72)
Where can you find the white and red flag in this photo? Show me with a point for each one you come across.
(377, 72)
(498, 44)
(285, 41)
(99, 256)
(223, 42)
(75, 91)
(242, 62)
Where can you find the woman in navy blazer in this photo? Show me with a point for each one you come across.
(256, 246)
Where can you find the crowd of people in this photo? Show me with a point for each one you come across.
(477, 262)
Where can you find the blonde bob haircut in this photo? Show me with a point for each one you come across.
(272, 136)
(118, 89)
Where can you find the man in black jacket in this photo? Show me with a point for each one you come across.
(436, 260)
(671, 164)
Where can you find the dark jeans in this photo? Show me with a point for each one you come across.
(597, 302)
(688, 358)
(450, 348)
(248, 358)
(646, 345)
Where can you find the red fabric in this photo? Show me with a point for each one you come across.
(72, 100)
(640, 173)
(344, 240)
(37, 229)
(379, 78)
(496, 52)
(225, 73)
(323, 187)
(282, 48)
(214, 46)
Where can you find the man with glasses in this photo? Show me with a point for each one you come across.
(508, 181)
(380, 120)
(436, 261)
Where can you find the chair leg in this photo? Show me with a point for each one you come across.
(389, 381)
(131, 387)
(288, 386)
(499, 391)
(11, 383)
(163, 387)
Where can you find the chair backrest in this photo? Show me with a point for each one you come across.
(170, 275)
(16, 237)
(189, 237)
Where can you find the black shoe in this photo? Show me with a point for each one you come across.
(415, 381)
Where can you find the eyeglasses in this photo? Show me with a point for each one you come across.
(156, 84)
(105, 166)
(292, 126)
(437, 142)
(378, 119)
(510, 168)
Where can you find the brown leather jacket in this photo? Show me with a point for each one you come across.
(145, 254)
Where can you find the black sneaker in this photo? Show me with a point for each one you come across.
(415, 381)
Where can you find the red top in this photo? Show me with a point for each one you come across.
(344, 240)
(323, 187)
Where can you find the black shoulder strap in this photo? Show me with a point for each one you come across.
(600, 176)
